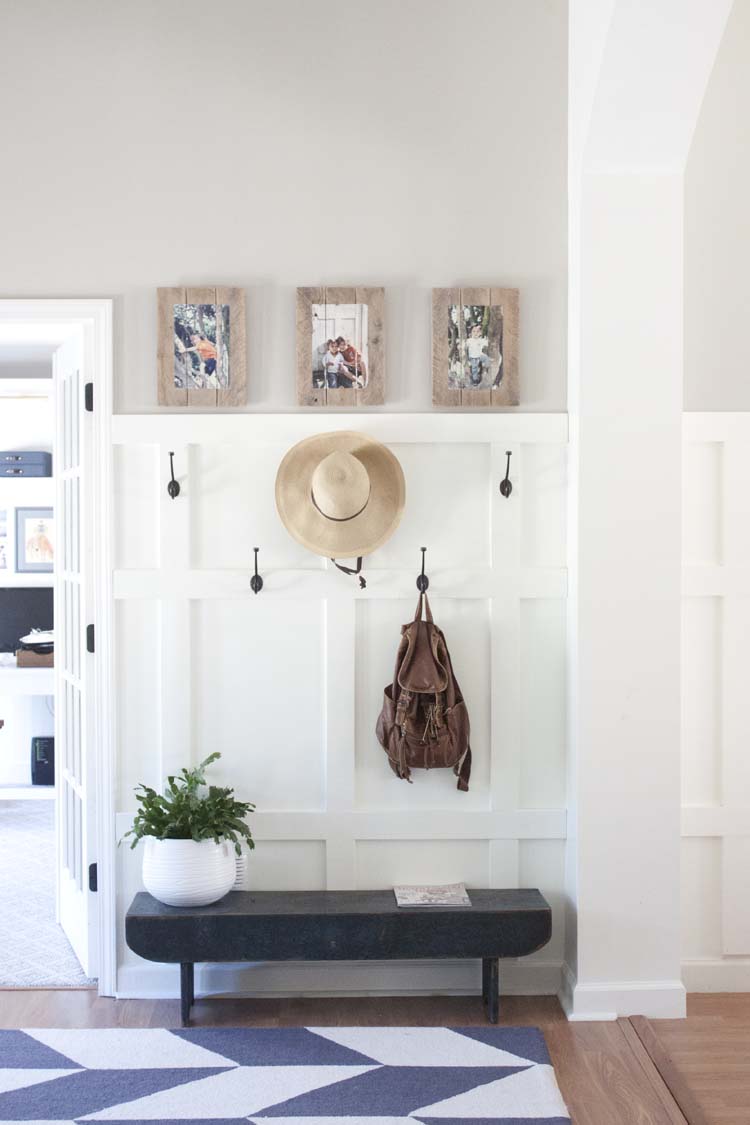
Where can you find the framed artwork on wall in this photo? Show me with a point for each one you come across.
(202, 347)
(341, 346)
(35, 540)
(475, 347)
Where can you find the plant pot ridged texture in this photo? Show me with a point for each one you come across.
(188, 872)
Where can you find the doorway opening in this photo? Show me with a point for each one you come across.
(56, 818)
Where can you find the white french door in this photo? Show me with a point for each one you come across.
(74, 641)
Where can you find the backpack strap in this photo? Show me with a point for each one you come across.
(463, 771)
(428, 611)
(349, 570)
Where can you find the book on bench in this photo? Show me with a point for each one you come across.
(449, 894)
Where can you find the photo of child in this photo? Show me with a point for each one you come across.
(339, 346)
(475, 346)
(201, 346)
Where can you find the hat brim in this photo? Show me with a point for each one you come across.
(346, 539)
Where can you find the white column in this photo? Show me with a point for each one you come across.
(632, 108)
(628, 566)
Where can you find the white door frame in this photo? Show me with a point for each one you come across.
(94, 318)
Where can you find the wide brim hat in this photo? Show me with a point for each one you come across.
(340, 494)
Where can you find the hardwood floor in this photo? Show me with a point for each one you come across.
(710, 1053)
(604, 1077)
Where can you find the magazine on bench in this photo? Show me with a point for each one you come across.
(450, 894)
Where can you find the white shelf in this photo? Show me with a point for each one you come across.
(27, 681)
(271, 429)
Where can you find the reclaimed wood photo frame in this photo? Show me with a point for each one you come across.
(341, 346)
(475, 347)
(202, 346)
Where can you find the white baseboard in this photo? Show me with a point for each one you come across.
(716, 975)
(149, 980)
(567, 989)
(607, 1000)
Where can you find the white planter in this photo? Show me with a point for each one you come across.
(188, 872)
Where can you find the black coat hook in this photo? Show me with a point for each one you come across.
(173, 487)
(506, 486)
(256, 582)
(422, 579)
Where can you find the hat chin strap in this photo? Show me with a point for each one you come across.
(346, 569)
(352, 570)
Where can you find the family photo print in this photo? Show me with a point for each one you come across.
(340, 346)
(475, 347)
(201, 347)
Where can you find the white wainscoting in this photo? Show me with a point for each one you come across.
(288, 684)
(716, 702)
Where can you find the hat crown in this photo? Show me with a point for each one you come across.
(340, 486)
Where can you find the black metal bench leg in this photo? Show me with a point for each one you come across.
(491, 987)
(187, 990)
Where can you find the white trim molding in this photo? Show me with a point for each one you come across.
(607, 1000)
(712, 974)
(528, 977)
(53, 320)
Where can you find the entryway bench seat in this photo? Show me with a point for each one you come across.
(339, 926)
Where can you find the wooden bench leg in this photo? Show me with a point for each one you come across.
(491, 987)
(187, 991)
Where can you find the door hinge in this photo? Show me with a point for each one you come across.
(93, 877)
(89, 638)
(88, 397)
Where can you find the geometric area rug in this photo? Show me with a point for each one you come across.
(296, 1075)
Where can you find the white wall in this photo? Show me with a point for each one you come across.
(715, 702)
(717, 232)
(288, 685)
(279, 144)
(26, 420)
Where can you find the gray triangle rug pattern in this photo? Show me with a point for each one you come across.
(297, 1075)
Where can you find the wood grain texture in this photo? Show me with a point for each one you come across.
(307, 394)
(664, 1092)
(168, 393)
(504, 310)
(374, 393)
(236, 393)
(481, 396)
(340, 295)
(707, 1056)
(508, 393)
(201, 397)
(442, 394)
(601, 1080)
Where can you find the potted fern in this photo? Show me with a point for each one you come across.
(192, 831)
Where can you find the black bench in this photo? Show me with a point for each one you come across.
(338, 926)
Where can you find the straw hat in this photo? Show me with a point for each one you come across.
(341, 495)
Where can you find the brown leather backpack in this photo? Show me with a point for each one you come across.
(424, 723)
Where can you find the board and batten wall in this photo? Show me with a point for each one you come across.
(716, 540)
(287, 685)
(716, 703)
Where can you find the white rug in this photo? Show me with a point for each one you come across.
(34, 951)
